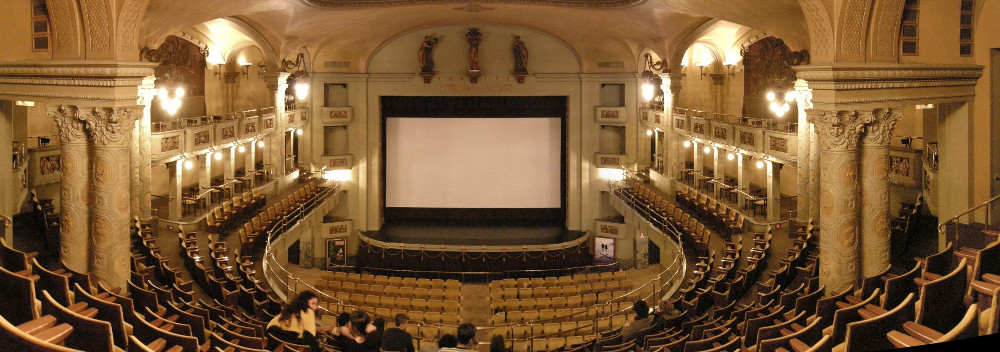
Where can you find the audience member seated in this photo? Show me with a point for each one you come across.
(297, 322)
(641, 323)
(396, 339)
(466, 337)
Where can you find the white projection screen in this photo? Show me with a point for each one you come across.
(462, 163)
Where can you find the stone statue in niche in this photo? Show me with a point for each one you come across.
(425, 58)
(474, 37)
(520, 59)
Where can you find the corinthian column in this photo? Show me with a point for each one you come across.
(838, 133)
(111, 131)
(74, 201)
(139, 154)
(875, 192)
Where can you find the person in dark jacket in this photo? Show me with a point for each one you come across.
(396, 338)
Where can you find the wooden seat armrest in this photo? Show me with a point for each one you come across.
(850, 301)
(157, 345)
(798, 346)
(867, 314)
(875, 309)
(30, 255)
(901, 340)
(930, 276)
(985, 288)
(920, 332)
(920, 281)
(77, 307)
(991, 278)
(56, 334)
(37, 324)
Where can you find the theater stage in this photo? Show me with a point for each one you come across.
(474, 232)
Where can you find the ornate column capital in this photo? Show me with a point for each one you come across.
(112, 127)
(69, 121)
(804, 94)
(879, 129)
(838, 130)
(147, 91)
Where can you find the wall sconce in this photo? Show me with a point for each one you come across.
(780, 107)
(731, 69)
(760, 164)
(218, 69)
(260, 70)
(687, 144)
(217, 155)
(241, 149)
(246, 69)
(651, 82)
(730, 156)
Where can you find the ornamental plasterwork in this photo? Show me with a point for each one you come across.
(112, 126)
(839, 130)
(877, 132)
(393, 3)
(69, 122)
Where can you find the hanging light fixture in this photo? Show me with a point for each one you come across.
(780, 106)
(651, 81)
(170, 102)
(299, 79)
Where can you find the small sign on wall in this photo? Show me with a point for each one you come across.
(604, 250)
(336, 252)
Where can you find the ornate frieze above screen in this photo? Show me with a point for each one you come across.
(390, 3)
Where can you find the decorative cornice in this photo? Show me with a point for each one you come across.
(55, 95)
(69, 122)
(953, 95)
(112, 127)
(77, 69)
(887, 73)
(882, 123)
(337, 4)
(838, 130)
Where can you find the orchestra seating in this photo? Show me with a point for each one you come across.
(729, 301)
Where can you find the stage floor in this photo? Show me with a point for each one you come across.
(473, 233)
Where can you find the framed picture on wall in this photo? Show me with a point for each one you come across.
(336, 252)
(604, 250)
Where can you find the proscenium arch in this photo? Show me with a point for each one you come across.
(390, 40)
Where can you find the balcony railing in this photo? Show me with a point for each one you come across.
(182, 122)
(767, 124)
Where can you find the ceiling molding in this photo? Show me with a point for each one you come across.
(352, 4)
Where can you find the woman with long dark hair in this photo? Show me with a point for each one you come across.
(297, 322)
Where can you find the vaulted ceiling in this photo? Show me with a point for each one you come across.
(597, 30)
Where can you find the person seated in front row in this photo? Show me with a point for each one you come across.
(297, 322)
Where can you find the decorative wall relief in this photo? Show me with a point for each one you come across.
(170, 143)
(768, 67)
(613, 230)
(779, 144)
(721, 132)
(520, 59)
(698, 128)
(268, 123)
(340, 162)
(49, 164)
(679, 124)
(899, 166)
(291, 118)
(202, 137)
(747, 138)
(610, 160)
(228, 132)
(182, 63)
(474, 37)
(250, 127)
(425, 58)
(610, 115)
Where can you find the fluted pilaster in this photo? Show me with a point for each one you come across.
(875, 226)
(111, 131)
(139, 155)
(838, 133)
(74, 201)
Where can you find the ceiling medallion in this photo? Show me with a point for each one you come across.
(472, 6)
